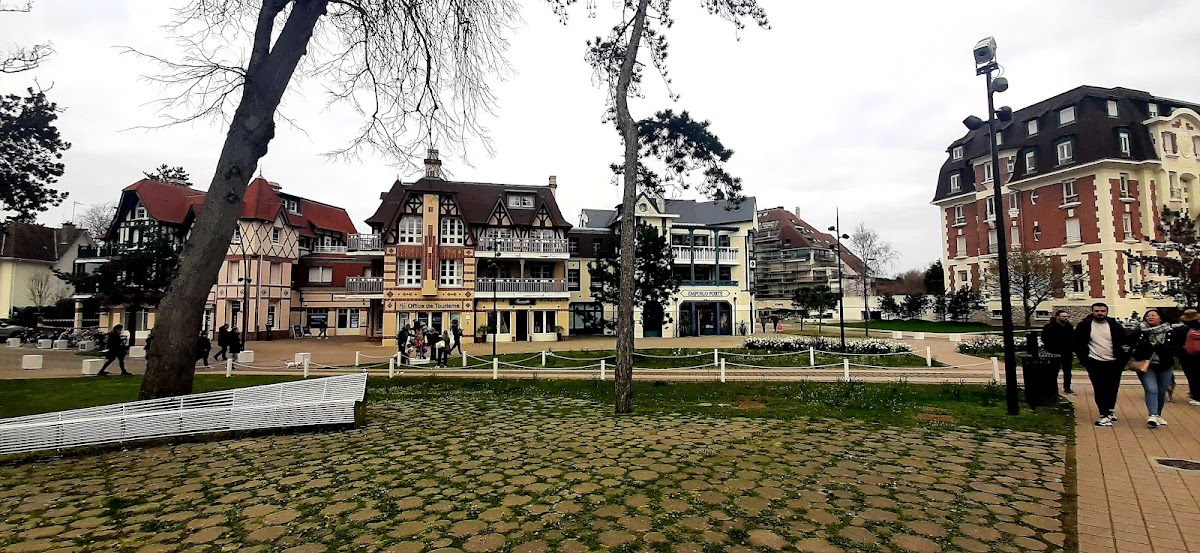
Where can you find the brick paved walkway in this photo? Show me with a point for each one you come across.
(1127, 502)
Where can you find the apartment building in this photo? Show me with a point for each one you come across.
(278, 276)
(1085, 175)
(492, 257)
(791, 254)
(29, 255)
(712, 246)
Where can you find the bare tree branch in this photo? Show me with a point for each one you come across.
(23, 58)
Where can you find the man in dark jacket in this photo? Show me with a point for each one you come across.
(402, 343)
(1057, 338)
(1189, 361)
(1103, 347)
(456, 334)
(203, 347)
(223, 343)
(115, 350)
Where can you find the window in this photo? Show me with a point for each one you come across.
(411, 229)
(1196, 147)
(453, 232)
(993, 242)
(1173, 185)
(1016, 236)
(451, 274)
(1010, 165)
(316, 316)
(237, 236)
(573, 280)
(724, 241)
(1037, 233)
(408, 273)
(987, 172)
(1112, 108)
(989, 204)
(544, 322)
(955, 186)
(1066, 116)
(957, 153)
(1170, 147)
(504, 320)
(960, 246)
(293, 206)
(958, 215)
(520, 200)
(1153, 109)
(1033, 196)
(1123, 141)
(999, 139)
(1073, 235)
(1069, 194)
(1077, 280)
(320, 274)
(541, 271)
(1030, 161)
(1031, 127)
(573, 246)
(347, 317)
(1125, 185)
(962, 278)
(274, 236)
(1127, 225)
(1066, 152)
(139, 212)
(271, 308)
(1014, 200)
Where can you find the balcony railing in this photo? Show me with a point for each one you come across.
(521, 285)
(364, 243)
(704, 254)
(364, 285)
(488, 245)
(329, 249)
(98, 252)
(708, 283)
(993, 248)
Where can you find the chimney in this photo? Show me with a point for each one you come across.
(433, 165)
(275, 186)
(553, 185)
(796, 212)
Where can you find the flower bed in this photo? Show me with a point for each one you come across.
(802, 343)
(986, 346)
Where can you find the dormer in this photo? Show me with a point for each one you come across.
(520, 200)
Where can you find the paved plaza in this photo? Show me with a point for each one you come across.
(467, 472)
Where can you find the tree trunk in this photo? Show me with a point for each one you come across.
(171, 361)
(624, 372)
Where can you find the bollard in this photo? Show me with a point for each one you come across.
(715, 356)
(995, 369)
(305, 366)
(391, 367)
(812, 356)
(722, 371)
(543, 358)
(846, 369)
(956, 337)
(464, 357)
(228, 367)
(918, 336)
(356, 357)
(602, 365)
(928, 356)
(495, 368)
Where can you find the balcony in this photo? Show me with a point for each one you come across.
(328, 249)
(521, 287)
(538, 248)
(708, 283)
(97, 254)
(364, 244)
(705, 254)
(364, 285)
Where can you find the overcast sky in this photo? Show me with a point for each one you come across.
(840, 104)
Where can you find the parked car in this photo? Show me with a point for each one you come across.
(12, 331)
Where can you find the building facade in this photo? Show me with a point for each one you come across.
(791, 254)
(712, 245)
(492, 257)
(1085, 175)
(29, 255)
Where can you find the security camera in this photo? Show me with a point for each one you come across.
(985, 51)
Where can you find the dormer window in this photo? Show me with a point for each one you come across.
(1031, 127)
(955, 185)
(520, 201)
(1123, 141)
(1066, 116)
(1112, 108)
(957, 152)
(293, 206)
(1153, 109)
(1030, 161)
(999, 139)
(139, 213)
(1066, 151)
(411, 230)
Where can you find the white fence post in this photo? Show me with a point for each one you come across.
(357, 357)
(464, 357)
(812, 356)
(995, 369)
(228, 367)
(306, 366)
(543, 358)
(715, 360)
(722, 371)
(928, 356)
(603, 363)
(846, 369)
(391, 367)
(495, 368)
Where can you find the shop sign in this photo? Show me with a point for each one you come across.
(432, 305)
(705, 293)
(522, 301)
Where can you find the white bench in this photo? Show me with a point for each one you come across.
(319, 401)
(31, 362)
(137, 352)
(92, 366)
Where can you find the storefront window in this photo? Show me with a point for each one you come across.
(347, 317)
(544, 322)
(504, 320)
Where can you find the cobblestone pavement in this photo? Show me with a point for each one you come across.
(465, 472)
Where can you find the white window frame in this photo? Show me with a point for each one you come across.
(541, 271)
(1111, 106)
(1015, 238)
(999, 139)
(1123, 141)
(989, 207)
(574, 279)
(520, 200)
(408, 273)
(544, 319)
(1170, 143)
(1014, 200)
(1065, 151)
(322, 275)
(960, 246)
(993, 242)
(1078, 284)
(275, 233)
(962, 278)
(411, 230)
(140, 213)
(1127, 225)
(1124, 186)
(956, 153)
(450, 273)
(1031, 127)
(1030, 161)
(1010, 166)
(988, 172)
(959, 218)
(453, 232)
(1173, 185)
(1076, 238)
(1070, 194)
(1066, 116)
(1152, 108)
(955, 183)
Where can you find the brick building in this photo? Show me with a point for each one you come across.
(1085, 176)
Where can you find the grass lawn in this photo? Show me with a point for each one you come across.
(883, 403)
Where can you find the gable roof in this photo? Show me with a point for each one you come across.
(597, 218)
(802, 235)
(719, 212)
(476, 201)
(36, 242)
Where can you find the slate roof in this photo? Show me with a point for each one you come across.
(476, 201)
(803, 235)
(711, 213)
(36, 242)
(597, 218)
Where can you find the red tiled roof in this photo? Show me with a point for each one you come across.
(165, 201)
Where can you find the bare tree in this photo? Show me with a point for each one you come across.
(416, 72)
(1034, 277)
(615, 61)
(44, 290)
(23, 58)
(877, 255)
(97, 218)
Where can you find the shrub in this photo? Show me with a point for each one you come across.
(802, 343)
(987, 345)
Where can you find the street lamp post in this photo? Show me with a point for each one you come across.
(985, 64)
(837, 228)
(245, 280)
(495, 296)
(866, 306)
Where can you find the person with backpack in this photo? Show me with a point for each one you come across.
(1154, 361)
(1056, 339)
(1187, 340)
(223, 343)
(1102, 345)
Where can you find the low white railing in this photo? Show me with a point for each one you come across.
(704, 254)
(487, 245)
(364, 243)
(318, 401)
(329, 249)
(364, 285)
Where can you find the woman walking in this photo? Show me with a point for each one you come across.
(1153, 360)
(1187, 342)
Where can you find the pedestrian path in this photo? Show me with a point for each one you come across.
(1128, 503)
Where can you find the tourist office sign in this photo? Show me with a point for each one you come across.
(705, 293)
(427, 305)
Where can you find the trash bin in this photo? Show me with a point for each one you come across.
(1037, 372)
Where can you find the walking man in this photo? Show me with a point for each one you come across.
(456, 335)
(223, 343)
(1103, 347)
(1057, 339)
(402, 343)
(116, 350)
(203, 347)
(775, 322)
(1187, 340)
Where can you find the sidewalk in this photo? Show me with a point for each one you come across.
(1127, 502)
